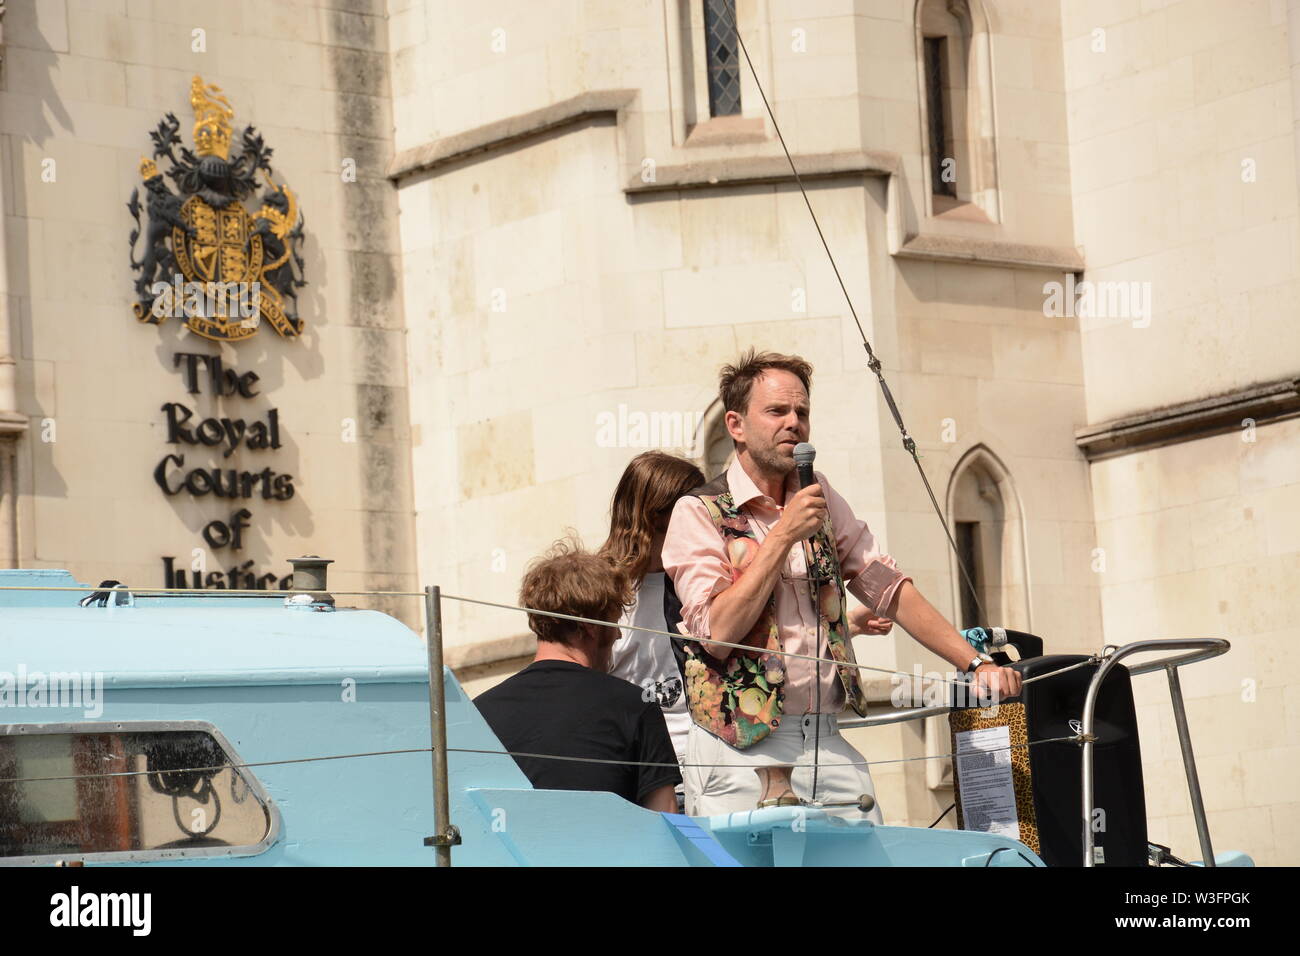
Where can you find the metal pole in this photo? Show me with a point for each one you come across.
(1087, 739)
(445, 835)
(1189, 764)
(1203, 648)
(1087, 792)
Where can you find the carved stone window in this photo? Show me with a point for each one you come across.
(989, 531)
(714, 449)
(943, 165)
(714, 99)
(723, 52)
(954, 58)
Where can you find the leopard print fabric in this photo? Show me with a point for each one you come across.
(1011, 716)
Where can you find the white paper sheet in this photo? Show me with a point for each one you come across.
(988, 796)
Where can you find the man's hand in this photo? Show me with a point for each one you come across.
(736, 608)
(997, 682)
(932, 631)
(803, 514)
(862, 620)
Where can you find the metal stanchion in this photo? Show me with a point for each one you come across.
(446, 835)
(1189, 765)
(1202, 649)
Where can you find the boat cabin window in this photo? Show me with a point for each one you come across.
(136, 791)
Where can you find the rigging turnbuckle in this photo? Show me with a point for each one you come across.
(449, 837)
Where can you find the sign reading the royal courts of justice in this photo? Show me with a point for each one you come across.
(221, 266)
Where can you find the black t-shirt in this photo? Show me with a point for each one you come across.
(563, 708)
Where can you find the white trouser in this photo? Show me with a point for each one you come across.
(717, 788)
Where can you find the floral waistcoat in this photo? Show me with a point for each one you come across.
(740, 699)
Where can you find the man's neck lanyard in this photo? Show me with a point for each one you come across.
(815, 582)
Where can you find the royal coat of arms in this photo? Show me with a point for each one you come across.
(206, 258)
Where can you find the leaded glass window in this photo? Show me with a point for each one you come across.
(723, 51)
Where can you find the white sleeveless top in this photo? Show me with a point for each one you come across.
(647, 659)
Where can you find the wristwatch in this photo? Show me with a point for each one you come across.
(976, 661)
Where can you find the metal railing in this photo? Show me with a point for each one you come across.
(892, 717)
(1201, 649)
(446, 835)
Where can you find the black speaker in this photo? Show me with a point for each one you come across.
(1051, 705)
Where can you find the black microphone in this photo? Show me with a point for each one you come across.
(804, 454)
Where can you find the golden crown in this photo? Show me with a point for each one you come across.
(148, 168)
(212, 116)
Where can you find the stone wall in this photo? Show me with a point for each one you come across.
(84, 83)
(1183, 157)
(1201, 540)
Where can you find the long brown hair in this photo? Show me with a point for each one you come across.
(650, 486)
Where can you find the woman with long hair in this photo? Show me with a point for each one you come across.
(642, 505)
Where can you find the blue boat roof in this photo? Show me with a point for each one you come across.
(199, 640)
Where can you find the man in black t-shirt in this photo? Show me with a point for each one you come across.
(565, 704)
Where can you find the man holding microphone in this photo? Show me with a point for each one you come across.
(756, 560)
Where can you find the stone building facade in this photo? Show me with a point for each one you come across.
(84, 84)
(1183, 163)
(534, 231)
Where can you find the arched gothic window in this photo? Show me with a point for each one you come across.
(713, 449)
(953, 52)
(985, 518)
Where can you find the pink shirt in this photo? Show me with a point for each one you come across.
(693, 557)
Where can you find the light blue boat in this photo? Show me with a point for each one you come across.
(150, 701)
